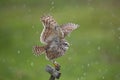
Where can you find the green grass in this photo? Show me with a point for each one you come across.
(94, 53)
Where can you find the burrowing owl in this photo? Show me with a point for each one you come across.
(53, 36)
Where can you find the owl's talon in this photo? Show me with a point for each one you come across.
(57, 66)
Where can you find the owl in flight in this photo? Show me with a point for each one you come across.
(53, 37)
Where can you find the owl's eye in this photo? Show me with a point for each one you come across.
(66, 44)
(56, 41)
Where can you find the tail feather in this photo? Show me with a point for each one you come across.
(38, 50)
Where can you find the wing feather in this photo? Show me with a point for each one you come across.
(48, 32)
(68, 28)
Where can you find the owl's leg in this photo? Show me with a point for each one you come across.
(57, 65)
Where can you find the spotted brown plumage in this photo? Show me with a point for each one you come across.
(53, 37)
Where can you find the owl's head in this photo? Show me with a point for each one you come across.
(65, 44)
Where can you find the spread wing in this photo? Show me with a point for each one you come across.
(51, 29)
(68, 28)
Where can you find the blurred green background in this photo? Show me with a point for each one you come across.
(94, 53)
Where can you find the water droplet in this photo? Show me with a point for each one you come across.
(89, 0)
(78, 78)
(117, 47)
(96, 62)
(29, 10)
(69, 58)
(103, 77)
(88, 65)
(106, 70)
(91, 8)
(52, 3)
(3, 60)
(98, 47)
(88, 3)
(84, 74)
(24, 6)
(119, 28)
(33, 26)
(70, 44)
(89, 51)
(119, 37)
(99, 70)
(37, 32)
(101, 22)
(51, 8)
(14, 7)
(82, 66)
(113, 31)
(111, 23)
(81, 78)
(117, 76)
(18, 51)
(88, 42)
(32, 64)
(113, 15)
